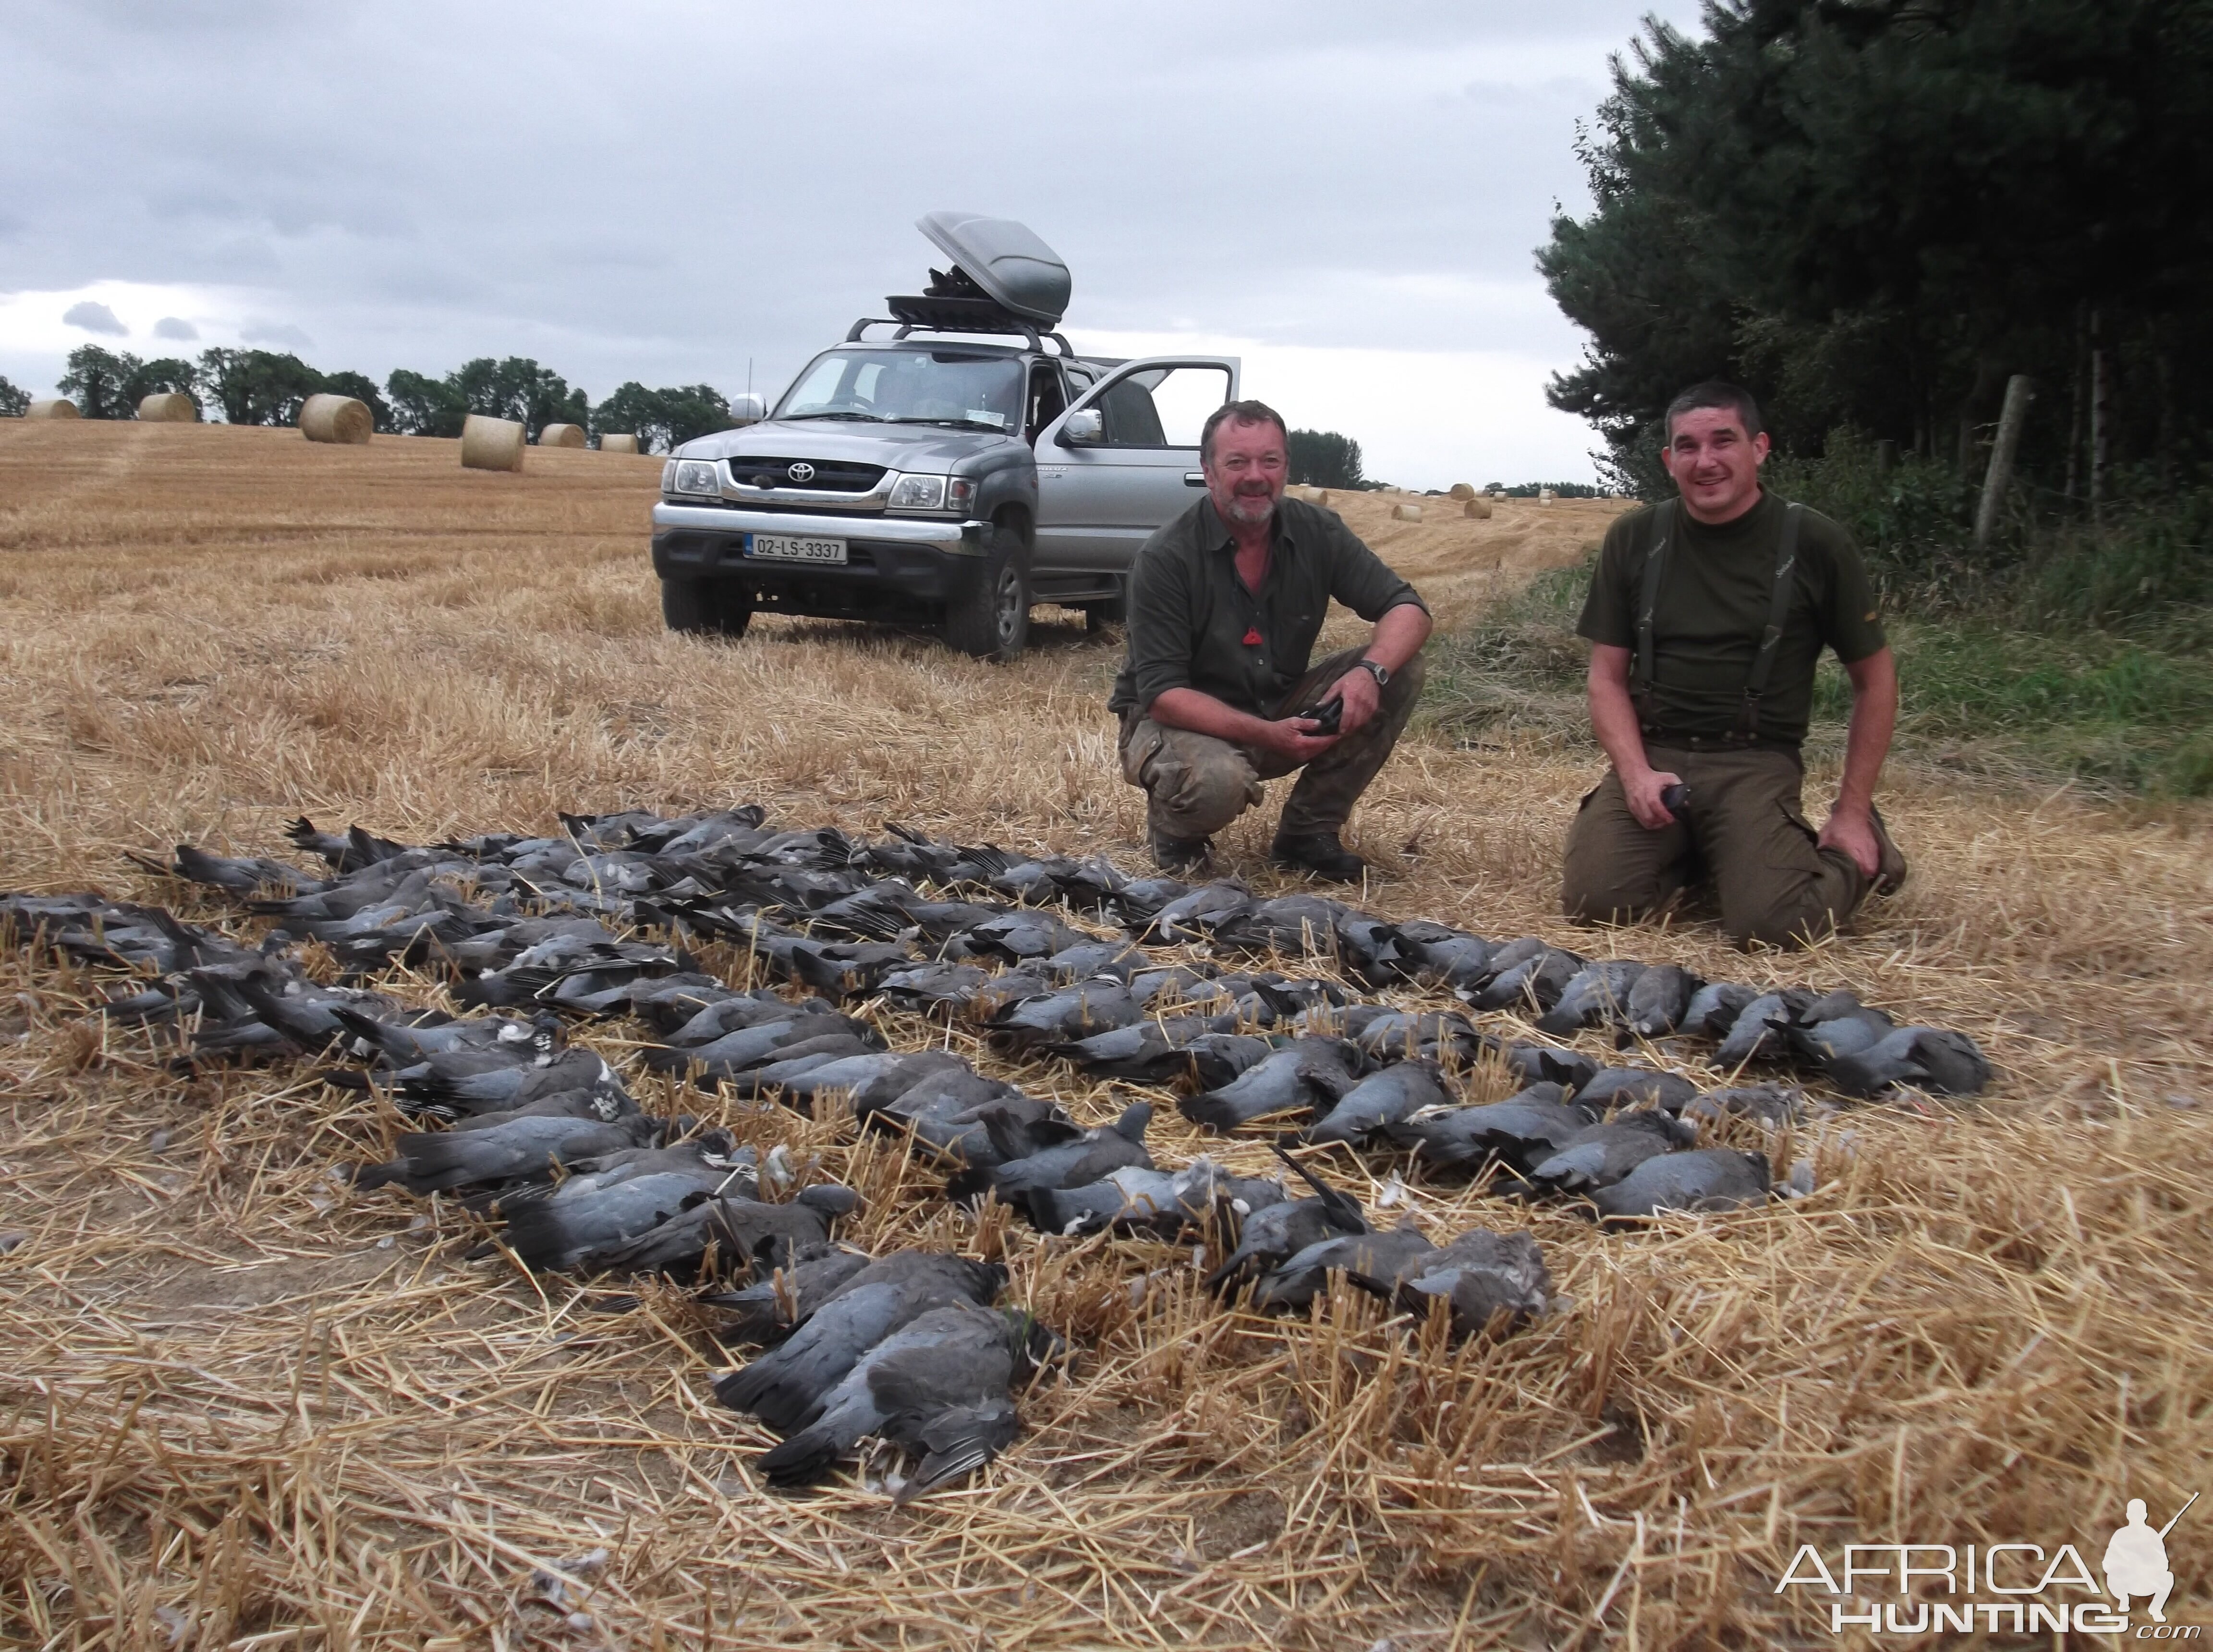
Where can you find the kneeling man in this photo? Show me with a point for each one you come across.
(1225, 604)
(1706, 617)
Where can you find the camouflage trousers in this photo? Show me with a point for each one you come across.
(1195, 784)
(1745, 833)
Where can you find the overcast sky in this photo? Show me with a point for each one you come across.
(1348, 197)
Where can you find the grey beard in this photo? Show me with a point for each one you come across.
(1250, 512)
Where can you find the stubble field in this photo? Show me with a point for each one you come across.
(242, 1405)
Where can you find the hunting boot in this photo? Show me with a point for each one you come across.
(1317, 852)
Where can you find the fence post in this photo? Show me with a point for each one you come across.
(2019, 391)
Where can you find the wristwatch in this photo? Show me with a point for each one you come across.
(1381, 673)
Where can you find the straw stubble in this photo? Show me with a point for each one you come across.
(242, 1401)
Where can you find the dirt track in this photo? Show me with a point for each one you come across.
(236, 1392)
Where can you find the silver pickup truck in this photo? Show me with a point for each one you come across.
(925, 478)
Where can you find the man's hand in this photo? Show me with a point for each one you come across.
(1291, 737)
(1361, 697)
(1852, 831)
(1642, 790)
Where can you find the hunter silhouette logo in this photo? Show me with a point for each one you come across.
(1912, 1590)
(2135, 1560)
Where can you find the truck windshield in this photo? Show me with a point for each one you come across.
(910, 387)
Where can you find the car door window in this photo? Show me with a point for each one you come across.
(1161, 406)
(1047, 396)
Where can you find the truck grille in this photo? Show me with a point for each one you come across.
(830, 475)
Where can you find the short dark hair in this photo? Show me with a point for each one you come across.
(1716, 393)
(1244, 413)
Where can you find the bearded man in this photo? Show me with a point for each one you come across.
(1219, 692)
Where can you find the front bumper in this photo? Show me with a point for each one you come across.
(894, 565)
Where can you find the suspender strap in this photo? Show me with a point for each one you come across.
(1770, 640)
(1648, 600)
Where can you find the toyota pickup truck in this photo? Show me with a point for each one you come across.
(937, 476)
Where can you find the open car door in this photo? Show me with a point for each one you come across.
(1123, 459)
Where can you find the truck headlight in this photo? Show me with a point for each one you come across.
(692, 476)
(918, 493)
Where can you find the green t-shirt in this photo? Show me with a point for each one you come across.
(1714, 602)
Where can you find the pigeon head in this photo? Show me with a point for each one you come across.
(830, 1198)
(1038, 1347)
(1131, 1124)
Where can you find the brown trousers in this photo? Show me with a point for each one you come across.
(1195, 784)
(1745, 831)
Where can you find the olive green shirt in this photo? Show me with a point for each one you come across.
(1714, 601)
(1194, 624)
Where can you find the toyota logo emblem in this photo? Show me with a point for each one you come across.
(802, 471)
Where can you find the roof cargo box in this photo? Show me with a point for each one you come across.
(1004, 264)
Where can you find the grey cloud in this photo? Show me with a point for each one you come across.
(276, 333)
(175, 326)
(94, 318)
(665, 191)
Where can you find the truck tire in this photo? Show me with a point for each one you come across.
(989, 617)
(712, 607)
(1115, 611)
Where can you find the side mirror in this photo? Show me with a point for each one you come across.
(1086, 428)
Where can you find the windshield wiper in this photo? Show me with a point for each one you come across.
(962, 423)
(844, 412)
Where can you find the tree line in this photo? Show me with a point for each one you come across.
(263, 386)
(1874, 213)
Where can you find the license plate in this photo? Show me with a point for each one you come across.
(786, 547)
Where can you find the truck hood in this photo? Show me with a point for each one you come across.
(927, 449)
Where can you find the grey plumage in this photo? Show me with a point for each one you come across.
(1599, 992)
(784, 1386)
(941, 1383)
(1601, 1154)
(1515, 1132)
(782, 1297)
(1936, 1058)
(1272, 1234)
(526, 1146)
(1074, 1012)
(1701, 1179)
(1091, 1156)
(1376, 1262)
(1643, 1087)
(614, 1201)
(1307, 1074)
(1482, 1275)
(1659, 1000)
(1389, 1097)
(1767, 1104)
(1546, 1063)
(1714, 1008)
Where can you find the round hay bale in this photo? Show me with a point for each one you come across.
(1405, 513)
(1478, 507)
(490, 444)
(1463, 490)
(1545, 495)
(626, 444)
(168, 407)
(1321, 496)
(336, 418)
(561, 435)
(58, 407)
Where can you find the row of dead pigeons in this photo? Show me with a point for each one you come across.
(526, 921)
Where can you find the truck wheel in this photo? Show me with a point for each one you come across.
(714, 607)
(989, 617)
(1115, 611)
